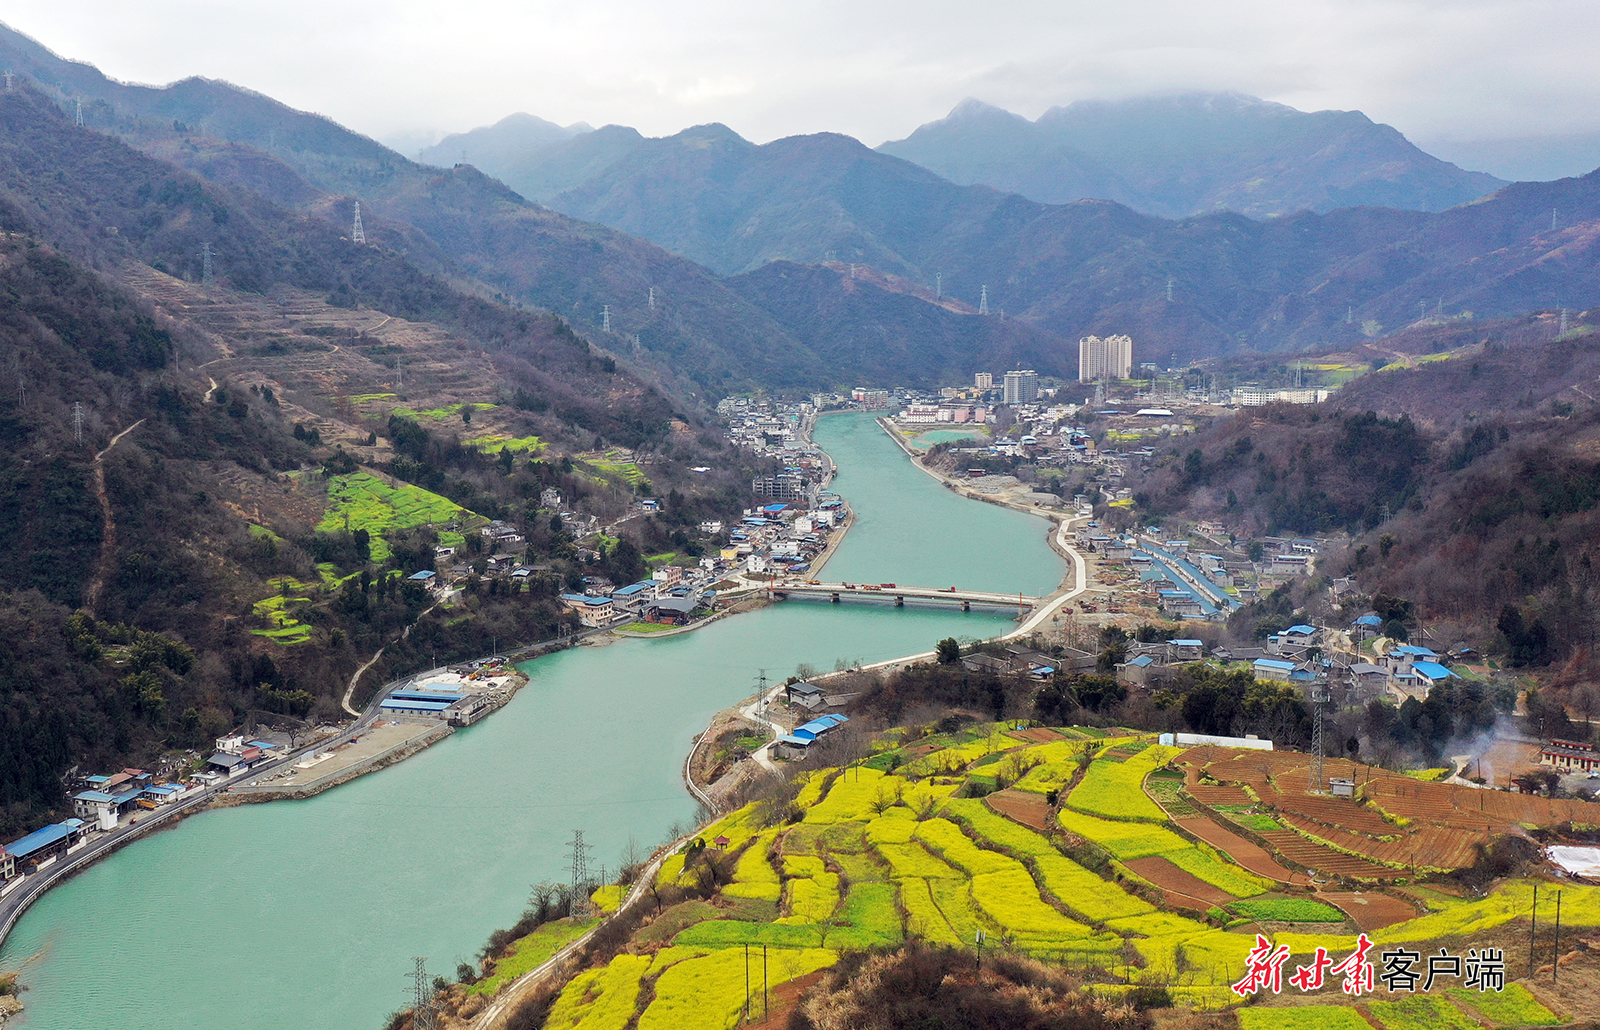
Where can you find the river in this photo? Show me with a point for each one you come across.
(309, 913)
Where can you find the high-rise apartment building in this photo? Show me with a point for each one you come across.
(1021, 386)
(983, 381)
(1110, 358)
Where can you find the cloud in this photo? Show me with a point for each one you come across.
(1468, 69)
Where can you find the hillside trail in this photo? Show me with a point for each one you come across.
(108, 534)
(351, 689)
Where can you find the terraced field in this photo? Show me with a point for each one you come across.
(878, 856)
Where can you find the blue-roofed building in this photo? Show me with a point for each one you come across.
(1401, 659)
(1185, 650)
(43, 845)
(594, 611)
(426, 576)
(1277, 669)
(410, 706)
(96, 805)
(1138, 670)
(1370, 621)
(1431, 673)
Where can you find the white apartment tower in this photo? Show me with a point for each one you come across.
(1110, 358)
(983, 381)
(1022, 386)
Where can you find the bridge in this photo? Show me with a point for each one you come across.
(900, 596)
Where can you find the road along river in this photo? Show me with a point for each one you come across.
(308, 913)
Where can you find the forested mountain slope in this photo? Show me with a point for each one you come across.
(267, 416)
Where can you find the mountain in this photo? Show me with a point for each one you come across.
(206, 478)
(1465, 473)
(1191, 153)
(698, 336)
(888, 330)
(1294, 282)
(491, 146)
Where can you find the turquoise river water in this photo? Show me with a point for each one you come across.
(308, 913)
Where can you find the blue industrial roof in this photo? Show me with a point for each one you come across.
(1415, 651)
(1432, 670)
(1369, 620)
(1274, 663)
(415, 706)
(1187, 643)
(38, 840)
(425, 574)
(789, 738)
(585, 599)
(1303, 629)
(1142, 661)
(127, 796)
(97, 779)
(262, 743)
(92, 795)
(163, 789)
(629, 590)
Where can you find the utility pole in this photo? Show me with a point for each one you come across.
(580, 876)
(421, 996)
(357, 233)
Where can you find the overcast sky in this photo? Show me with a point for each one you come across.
(1463, 69)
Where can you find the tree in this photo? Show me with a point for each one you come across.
(948, 651)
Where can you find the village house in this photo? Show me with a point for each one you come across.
(1569, 756)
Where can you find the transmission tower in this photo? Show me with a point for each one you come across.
(1100, 392)
(1169, 291)
(652, 298)
(357, 233)
(1563, 321)
(205, 264)
(77, 117)
(1319, 697)
(580, 876)
(421, 996)
(983, 300)
(1349, 313)
(1552, 219)
(938, 286)
(9, 75)
(77, 420)
(605, 318)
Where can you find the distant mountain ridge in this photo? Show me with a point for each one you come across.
(1191, 153)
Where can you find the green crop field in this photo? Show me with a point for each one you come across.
(1302, 1017)
(530, 951)
(495, 443)
(360, 500)
(1288, 910)
(1420, 1012)
(441, 413)
(1514, 1006)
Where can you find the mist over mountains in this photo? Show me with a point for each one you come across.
(709, 250)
